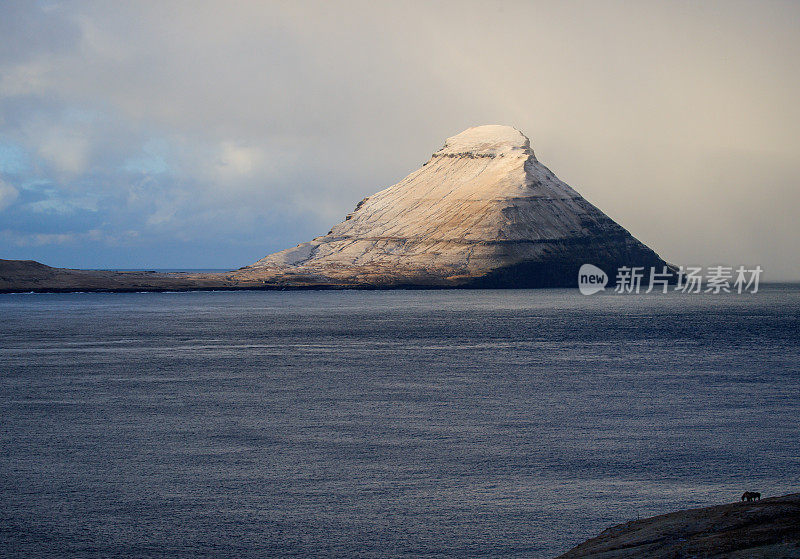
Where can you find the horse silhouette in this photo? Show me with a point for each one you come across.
(751, 496)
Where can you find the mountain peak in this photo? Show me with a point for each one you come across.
(482, 212)
(486, 140)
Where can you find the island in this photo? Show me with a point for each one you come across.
(482, 212)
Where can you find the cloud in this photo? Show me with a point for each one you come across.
(261, 125)
(23, 79)
(237, 161)
(66, 150)
(42, 239)
(8, 194)
(56, 205)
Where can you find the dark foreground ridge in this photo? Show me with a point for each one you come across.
(765, 528)
(483, 212)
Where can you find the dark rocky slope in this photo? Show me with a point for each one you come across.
(765, 528)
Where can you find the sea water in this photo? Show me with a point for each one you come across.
(384, 423)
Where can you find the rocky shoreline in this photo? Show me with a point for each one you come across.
(758, 529)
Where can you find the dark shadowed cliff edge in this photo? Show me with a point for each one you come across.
(765, 528)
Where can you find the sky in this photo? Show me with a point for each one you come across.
(208, 134)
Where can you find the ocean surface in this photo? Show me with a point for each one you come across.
(383, 424)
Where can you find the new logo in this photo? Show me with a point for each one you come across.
(591, 279)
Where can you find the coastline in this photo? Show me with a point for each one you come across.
(769, 527)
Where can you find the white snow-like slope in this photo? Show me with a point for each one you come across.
(482, 203)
